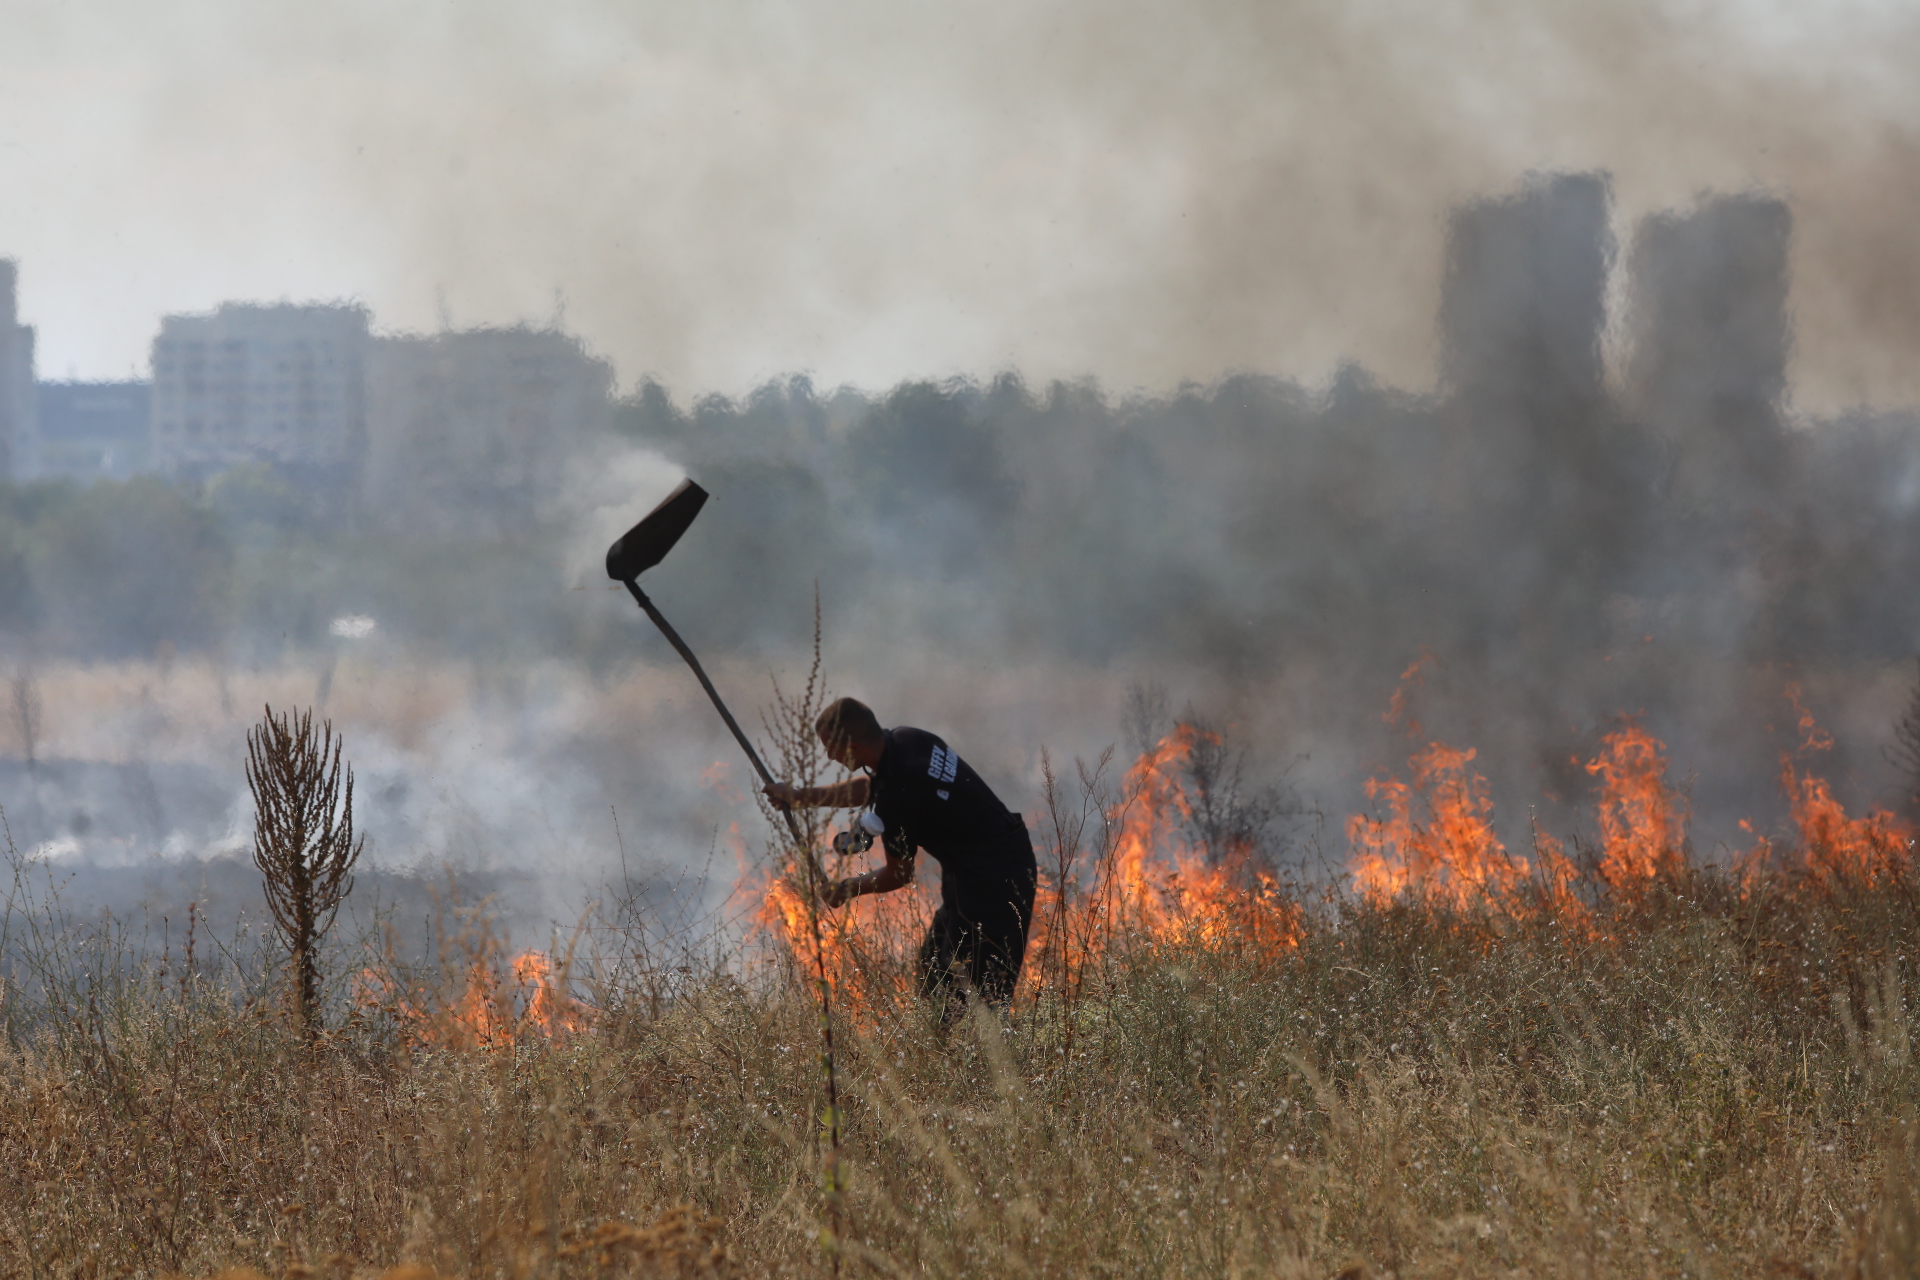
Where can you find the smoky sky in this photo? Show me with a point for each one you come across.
(716, 194)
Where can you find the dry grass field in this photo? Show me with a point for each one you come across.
(1606, 1061)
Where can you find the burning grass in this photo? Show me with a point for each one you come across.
(1613, 1061)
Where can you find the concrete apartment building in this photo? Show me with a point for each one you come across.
(1524, 301)
(470, 433)
(1711, 337)
(460, 433)
(16, 377)
(280, 384)
(453, 433)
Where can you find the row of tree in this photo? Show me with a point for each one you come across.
(1200, 526)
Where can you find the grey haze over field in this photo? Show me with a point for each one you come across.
(869, 191)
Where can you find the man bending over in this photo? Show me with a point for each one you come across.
(927, 798)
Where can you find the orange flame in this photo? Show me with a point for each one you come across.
(549, 1009)
(1835, 846)
(1432, 837)
(1832, 845)
(1812, 736)
(1643, 826)
(491, 1012)
(476, 1020)
(1160, 887)
(1397, 704)
(1454, 857)
(867, 945)
(1153, 885)
(1558, 901)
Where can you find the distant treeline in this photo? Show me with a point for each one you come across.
(243, 566)
(1257, 519)
(1241, 525)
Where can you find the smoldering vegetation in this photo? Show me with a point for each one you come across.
(1607, 508)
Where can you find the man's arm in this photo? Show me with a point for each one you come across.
(851, 794)
(890, 875)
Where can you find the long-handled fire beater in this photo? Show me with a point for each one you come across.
(636, 551)
(640, 549)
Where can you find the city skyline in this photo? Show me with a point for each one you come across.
(870, 194)
(1690, 323)
(457, 431)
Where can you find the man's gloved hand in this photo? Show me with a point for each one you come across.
(779, 794)
(838, 893)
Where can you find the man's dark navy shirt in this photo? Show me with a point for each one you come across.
(929, 798)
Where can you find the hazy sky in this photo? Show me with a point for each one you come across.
(876, 189)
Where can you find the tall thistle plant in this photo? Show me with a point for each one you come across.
(303, 840)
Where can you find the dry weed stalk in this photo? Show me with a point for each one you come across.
(796, 748)
(27, 712)
(1081, 833)
(303, 840)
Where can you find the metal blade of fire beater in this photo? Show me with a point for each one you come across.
(646, 545)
